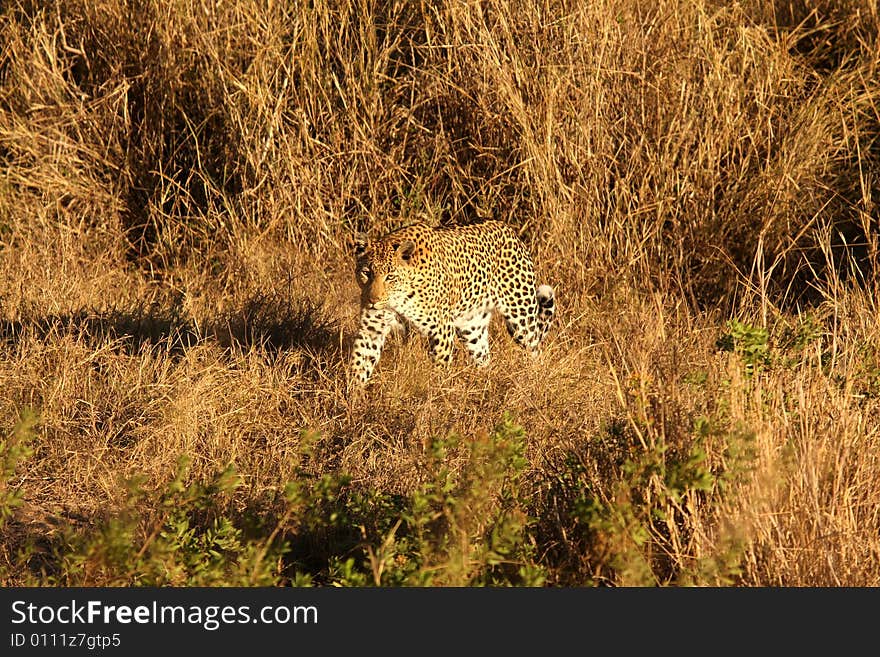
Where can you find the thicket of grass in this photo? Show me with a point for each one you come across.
(180, 185)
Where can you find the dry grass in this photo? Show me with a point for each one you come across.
(698, 180)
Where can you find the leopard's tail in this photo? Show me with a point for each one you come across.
(546, 308)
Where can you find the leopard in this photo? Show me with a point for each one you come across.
(446, 281)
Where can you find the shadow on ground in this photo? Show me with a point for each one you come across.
(266, 322)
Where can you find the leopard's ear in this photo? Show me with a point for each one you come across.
(405, 251)
(360, 244)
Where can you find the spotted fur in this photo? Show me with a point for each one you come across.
(447, 282)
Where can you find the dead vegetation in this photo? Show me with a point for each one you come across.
(180, 184)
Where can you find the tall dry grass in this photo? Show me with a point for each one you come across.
(180, 185)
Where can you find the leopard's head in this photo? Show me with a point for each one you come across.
(383, 270)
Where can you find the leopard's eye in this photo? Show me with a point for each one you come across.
(390, 278)
(364, 274)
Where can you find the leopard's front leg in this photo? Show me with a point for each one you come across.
(442, 343)
(374, 328)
